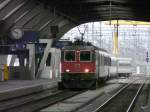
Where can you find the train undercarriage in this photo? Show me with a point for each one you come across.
(80, 81)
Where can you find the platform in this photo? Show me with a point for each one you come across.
(15, 88)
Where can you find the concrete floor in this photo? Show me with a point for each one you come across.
(15, 88)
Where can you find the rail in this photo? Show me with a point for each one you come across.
(119, 92)
(134, 99)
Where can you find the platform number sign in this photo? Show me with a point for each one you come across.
(147, 58)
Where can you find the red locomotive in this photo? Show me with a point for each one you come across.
(83, 66)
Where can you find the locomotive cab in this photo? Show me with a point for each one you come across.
(77, 67)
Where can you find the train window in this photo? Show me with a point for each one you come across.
(69, 55)
(105, 60)
(85, 56)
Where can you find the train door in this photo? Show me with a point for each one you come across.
(100, 64)
(97, 64)
(105, 66)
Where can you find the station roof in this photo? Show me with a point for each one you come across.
(99, 10)
(39, 15)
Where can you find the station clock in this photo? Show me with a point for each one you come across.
(16, 33)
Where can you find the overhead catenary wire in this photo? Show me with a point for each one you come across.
(82, 34)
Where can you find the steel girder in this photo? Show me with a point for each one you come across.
(39, 15)
(29, 15)
(136, 9)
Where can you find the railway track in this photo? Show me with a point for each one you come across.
(123, 100)
(35, 101)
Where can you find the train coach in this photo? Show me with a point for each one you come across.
(124, 66)
(121, 66)
(83, 66)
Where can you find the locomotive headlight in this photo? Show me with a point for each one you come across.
(86, 70)
(67, 70)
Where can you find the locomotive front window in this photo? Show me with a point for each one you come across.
(69, 55)
(85, 56)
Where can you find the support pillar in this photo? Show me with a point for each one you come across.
(21, 60)
(31, 60)
(46, 52)
(3, 61)
(53, 59)
(12, 60)
(115, 50)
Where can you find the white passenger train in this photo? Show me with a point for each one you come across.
(121, 66)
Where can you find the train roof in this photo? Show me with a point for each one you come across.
(83, 47)
(113, 58)
(121, 59)
(124, 59)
